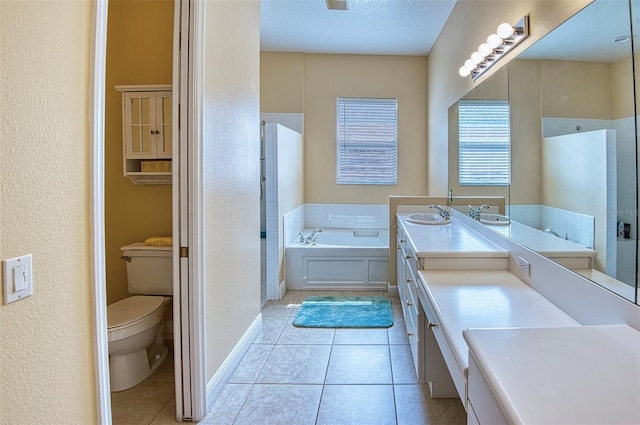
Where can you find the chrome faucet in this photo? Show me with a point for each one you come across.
(444, 213)
(474, 213)
(311, 237)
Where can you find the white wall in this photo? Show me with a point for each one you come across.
(231, 164)
(46, 340)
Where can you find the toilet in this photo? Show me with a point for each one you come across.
(134, 325)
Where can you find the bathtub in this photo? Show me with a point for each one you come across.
(345, 259)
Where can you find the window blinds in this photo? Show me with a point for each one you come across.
(484, 142)
(367, 141)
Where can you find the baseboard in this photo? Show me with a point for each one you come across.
(220, 378)
(283, 289)
(168, 330)
(393, 290)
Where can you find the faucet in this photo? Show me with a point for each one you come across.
(311, 237)
(474, 213)
(444, 213)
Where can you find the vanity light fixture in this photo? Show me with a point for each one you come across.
(507, 36)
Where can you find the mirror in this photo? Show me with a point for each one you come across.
(573, 194)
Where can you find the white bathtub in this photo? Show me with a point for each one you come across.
(344, 259)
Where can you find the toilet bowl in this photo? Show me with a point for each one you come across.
(136, 339)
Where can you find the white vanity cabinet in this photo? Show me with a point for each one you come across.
(147, 133)
(407, 268)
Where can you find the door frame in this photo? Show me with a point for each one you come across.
(190, 309)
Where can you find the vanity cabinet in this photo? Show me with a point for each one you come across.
(407, 268)
(147, 133)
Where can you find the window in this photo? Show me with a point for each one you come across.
(367, 139)
(484, 142)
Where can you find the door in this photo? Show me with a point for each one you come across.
(188, 298)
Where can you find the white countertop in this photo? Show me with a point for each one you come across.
(486, 299)
(544, 243)
(450, 240)
(578, 375)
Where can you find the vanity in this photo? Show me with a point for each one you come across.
(480, 331)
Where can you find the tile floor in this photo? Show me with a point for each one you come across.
(297, 376)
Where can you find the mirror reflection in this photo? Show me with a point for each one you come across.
(573, 194)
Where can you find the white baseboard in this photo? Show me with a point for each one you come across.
(283, 289)
(393, 290)
(220, 378)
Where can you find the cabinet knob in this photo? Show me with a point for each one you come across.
(409, 257)
(430, 324)
(399, 246)
(409, 303)
(409, 279)
(402, 240)
(409, 334)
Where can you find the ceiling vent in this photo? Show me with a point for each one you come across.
(337, 4)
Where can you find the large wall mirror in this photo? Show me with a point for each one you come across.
(573, 114)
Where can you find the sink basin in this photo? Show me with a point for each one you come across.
(427, 218)
(494, 219)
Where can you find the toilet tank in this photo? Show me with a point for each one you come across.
(149, 269)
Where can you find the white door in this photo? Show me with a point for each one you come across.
(187, 306)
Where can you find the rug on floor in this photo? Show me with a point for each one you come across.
(344, 312)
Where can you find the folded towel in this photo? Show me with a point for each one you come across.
(159, 241)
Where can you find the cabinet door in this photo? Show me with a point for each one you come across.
(139, 124)
(163, 124)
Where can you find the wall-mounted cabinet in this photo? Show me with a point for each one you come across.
(146, 133)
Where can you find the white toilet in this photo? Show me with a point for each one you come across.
(135, 327)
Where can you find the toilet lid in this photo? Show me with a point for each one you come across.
(131, 309)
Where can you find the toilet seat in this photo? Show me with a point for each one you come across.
(133, 314)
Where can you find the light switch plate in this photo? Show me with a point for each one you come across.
(524, 266)
(17, 278)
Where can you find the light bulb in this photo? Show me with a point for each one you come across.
(469, 65)
(494, 41)
(476, 57)
(485, 50)
(505, 30)
(463, 71)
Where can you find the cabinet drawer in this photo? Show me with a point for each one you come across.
(485, 406)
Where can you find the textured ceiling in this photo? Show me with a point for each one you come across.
(384, 27)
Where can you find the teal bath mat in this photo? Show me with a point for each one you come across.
(344, 312)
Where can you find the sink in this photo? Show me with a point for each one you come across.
(427, 218)
(495, 219)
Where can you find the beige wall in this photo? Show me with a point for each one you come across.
(469, 24)
(281, 82)
(573, 89)
(327, 77)
(231, 164)
(621, 80)
(139, 51)
(46, 340)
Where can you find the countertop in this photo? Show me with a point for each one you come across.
(486, 299)
(543, 243)
(576, 375)
(449, 240)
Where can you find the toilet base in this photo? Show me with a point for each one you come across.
(128, 370)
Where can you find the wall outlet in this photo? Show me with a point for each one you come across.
(524, 266)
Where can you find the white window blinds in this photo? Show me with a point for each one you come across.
(484, 142)
(367, 139)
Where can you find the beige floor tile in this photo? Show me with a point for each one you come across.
(403, 369)
(294, 335)
(227, 405)
(272, 326)
(398, 332)
(140, 404)
(296, 364)
(167, 415)
(359, 364)
(361, 336)
(414, 406)
(280, 405)
(251, 364)
(357, 405)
